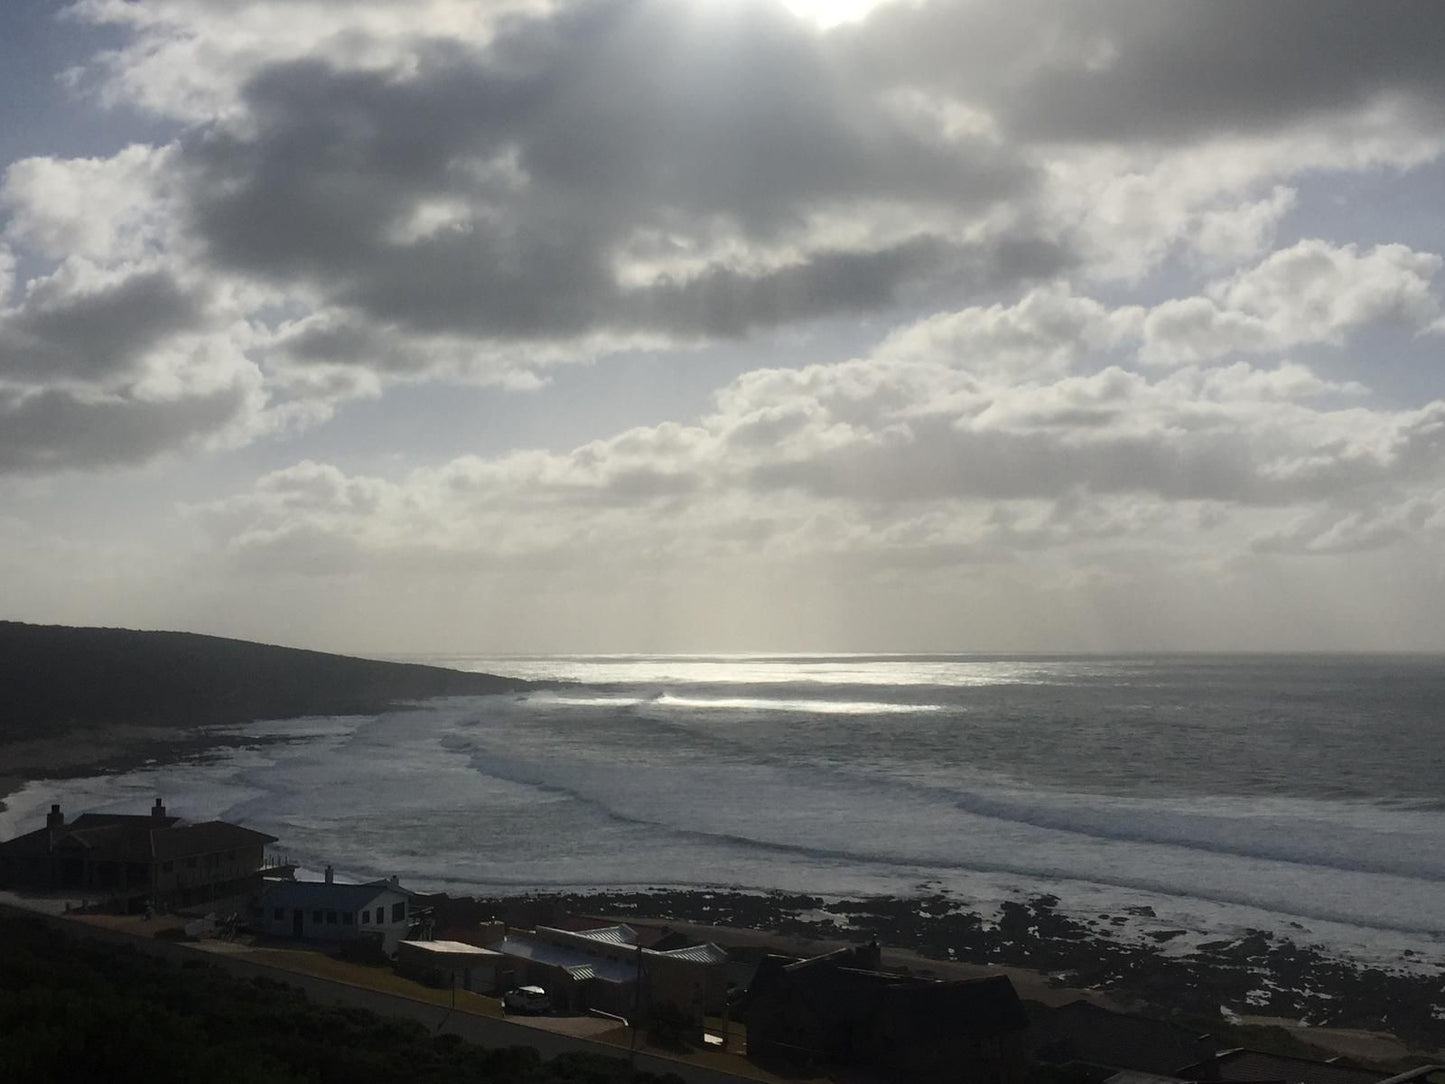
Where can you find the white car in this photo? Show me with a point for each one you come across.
(527, 999)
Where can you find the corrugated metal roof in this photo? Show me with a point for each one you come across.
(570, 959)
(611, 935)
(702, 954)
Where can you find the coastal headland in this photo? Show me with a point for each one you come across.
(79, 701)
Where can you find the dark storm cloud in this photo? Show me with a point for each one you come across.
(555, 149)
(1171, 73)
(61, 333)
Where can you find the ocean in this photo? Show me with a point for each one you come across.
(1301, 795)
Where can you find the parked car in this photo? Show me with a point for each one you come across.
(527, 999)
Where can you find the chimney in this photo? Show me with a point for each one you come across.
(159, 809)
(395, 880)
(56, 819)
(330, 875)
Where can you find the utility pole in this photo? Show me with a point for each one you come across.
(636, 1011)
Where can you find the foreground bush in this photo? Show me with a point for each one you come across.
(78, 1012)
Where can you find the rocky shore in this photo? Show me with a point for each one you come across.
(1258, 974)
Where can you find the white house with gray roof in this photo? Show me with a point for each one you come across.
(330, 911)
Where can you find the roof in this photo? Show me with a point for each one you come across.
(575, 962)
(863, 957)
(1083, 1031)
(1255, 1066)
(611, 935)
(31, 843)
(131, 820)
(912, 1009)
(702, 954)
(305, 895)
(117, 836)
(449, 948)
(391, 883)
(208, 837)
(623, 939)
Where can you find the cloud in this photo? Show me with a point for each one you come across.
(99, 209)
(467, 192)
(1312, 292)
(520, 191)
(1129, 70)
(53, 429)
(82, 325)
(1232, 235)
(969, 437)
(1043, 334)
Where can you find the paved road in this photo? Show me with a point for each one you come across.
(482, 1030)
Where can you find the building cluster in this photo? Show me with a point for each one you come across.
(839, 1012)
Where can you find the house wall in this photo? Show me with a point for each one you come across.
(322, 923)
(692, 988)
(199, 870)
(464, 970)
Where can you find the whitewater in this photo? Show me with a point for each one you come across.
(1204, 793)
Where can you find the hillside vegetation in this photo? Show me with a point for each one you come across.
(58, 678)
(73, 1012)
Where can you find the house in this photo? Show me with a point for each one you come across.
(830, 1011)
(132, 860)
(449, 964)
(607, 968)
(1081, 1031)
(329, 910)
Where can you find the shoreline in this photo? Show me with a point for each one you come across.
(1258, 976)
(87, 752)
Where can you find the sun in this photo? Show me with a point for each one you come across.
(829, 13)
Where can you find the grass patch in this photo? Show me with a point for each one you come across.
(381, 979)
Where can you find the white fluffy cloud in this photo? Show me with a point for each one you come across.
(1312, 292)
(914, 447)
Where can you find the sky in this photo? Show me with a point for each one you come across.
(726, 325)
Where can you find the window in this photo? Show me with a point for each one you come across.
(166, 867)
(331, 918)
(278, 913)
(316, 918)
(346, 918)
(190, 863)
(398, 911)
(366, 918)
